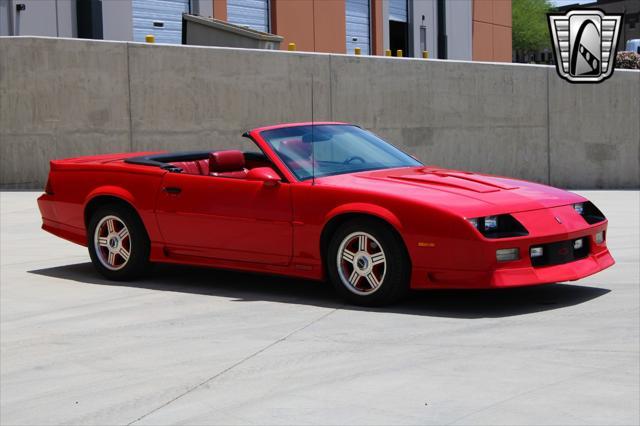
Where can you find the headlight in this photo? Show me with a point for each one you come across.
(579, 208)
(502, 226)
(491, 223)
(589, 212)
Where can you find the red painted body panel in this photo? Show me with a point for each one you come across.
(233, 219)
(247, 225)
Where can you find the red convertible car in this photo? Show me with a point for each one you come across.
(323, 200)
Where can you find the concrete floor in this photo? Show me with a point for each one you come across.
(199, 346)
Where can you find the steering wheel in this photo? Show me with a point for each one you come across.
(354, 158)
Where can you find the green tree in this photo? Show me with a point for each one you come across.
(530, 29)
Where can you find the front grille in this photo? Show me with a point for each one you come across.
(561, 252)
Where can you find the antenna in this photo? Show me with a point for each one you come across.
(313, 141)
(313, 144)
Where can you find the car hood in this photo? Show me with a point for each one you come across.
(466, 193)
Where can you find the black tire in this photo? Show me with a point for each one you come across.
(138, 243)
(393, 282)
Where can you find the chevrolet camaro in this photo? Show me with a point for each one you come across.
(323, 201)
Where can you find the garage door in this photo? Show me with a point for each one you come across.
(398, 10)
(358, 29)
(162, 18)
(249, 13)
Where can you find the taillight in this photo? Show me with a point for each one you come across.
(48, 189)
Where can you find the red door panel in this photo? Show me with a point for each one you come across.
(225, 218)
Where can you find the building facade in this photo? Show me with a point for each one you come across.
(447, 29)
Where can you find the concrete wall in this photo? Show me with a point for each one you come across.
(62, 98)
(59, 98)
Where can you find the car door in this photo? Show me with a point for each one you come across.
(226, 218)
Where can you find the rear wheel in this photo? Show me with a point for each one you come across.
(367, 263)
(118, 243)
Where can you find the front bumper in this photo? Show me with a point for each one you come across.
(515, 277)
(520, 272)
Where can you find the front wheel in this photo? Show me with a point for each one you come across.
(118, 243)
(367, 263)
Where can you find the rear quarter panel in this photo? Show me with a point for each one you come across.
(74, 186)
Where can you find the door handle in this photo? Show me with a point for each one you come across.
(172, 190)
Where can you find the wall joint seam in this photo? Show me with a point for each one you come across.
(548, 132)
(129, 97)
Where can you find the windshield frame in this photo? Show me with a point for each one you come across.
(283, 163)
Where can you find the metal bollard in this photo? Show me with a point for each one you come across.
(387, 52)
(357, 51)
(150, 38)
(292, 47)
(399, 53)
(425, 54)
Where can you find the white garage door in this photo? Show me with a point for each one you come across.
(358, 25)
(398, 10)
(162, 18)
(249, 13)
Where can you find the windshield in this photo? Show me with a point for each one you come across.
(332, 149)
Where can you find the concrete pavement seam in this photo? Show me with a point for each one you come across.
(242, 361)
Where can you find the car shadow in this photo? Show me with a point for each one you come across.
(246, 287)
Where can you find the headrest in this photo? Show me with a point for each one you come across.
(296, 147)
(226, 161)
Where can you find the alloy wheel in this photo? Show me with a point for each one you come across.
(112, 243)
(362, 263)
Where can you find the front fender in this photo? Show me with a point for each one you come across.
(365, 208)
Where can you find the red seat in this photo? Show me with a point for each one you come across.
(223, 163)
(189, 167)
(196, 167)
(227, 164)
(203, 166)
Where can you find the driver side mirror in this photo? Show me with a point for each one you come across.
(264, 174)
